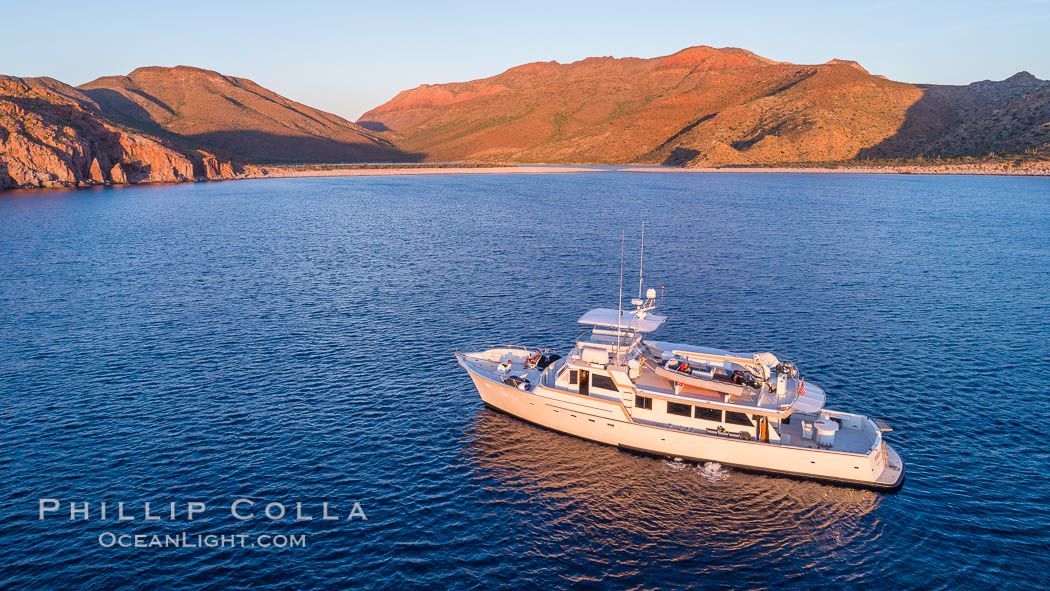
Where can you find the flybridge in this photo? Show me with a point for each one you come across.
(637, 321)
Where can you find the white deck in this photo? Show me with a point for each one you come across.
(847, 440)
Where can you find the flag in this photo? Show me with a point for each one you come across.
(802, 387)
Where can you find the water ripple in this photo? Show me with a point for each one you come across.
(290, 340)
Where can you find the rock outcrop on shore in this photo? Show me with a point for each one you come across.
(236, 116)
(705, 106)
(53, 135)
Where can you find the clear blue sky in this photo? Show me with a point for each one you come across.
(347, 57)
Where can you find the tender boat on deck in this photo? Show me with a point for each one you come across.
(682, 401)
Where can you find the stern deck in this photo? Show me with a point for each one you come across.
(847, 440)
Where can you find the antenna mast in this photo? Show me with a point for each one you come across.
(619, 304)
(641, 261)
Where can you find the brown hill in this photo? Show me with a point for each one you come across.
(234, 115)
(51, 135)
(701, 106)
(1011, 116)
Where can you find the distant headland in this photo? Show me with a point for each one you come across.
(701, 108)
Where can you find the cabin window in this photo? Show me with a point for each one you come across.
(708, 414)
(682, 410)
(738, 418)
(603, 382)
(574, 377)
(643, 402)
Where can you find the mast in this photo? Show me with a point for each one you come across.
(619, 303)
(641, 261)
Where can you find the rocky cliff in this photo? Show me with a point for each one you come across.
(234, 115)
(705, 106)
(52, 135)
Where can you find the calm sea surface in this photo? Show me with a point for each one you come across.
(291, 341)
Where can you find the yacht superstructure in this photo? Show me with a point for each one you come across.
(750, 411)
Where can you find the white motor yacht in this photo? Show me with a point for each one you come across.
(750, 411)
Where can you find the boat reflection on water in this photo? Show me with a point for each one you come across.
(634, 510)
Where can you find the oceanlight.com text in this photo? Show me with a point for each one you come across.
(192, 541)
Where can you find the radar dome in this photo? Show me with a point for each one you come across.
(651, 293)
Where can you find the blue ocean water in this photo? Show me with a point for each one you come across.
(291, 341)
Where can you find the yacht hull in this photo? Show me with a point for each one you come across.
(609, 422)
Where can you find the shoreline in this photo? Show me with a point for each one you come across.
(1039, 169)
(947, 169)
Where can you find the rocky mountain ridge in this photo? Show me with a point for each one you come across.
(699, 107)
(236, 116)
(705, 106)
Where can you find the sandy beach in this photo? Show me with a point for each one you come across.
(996, 169)
(278, 172)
